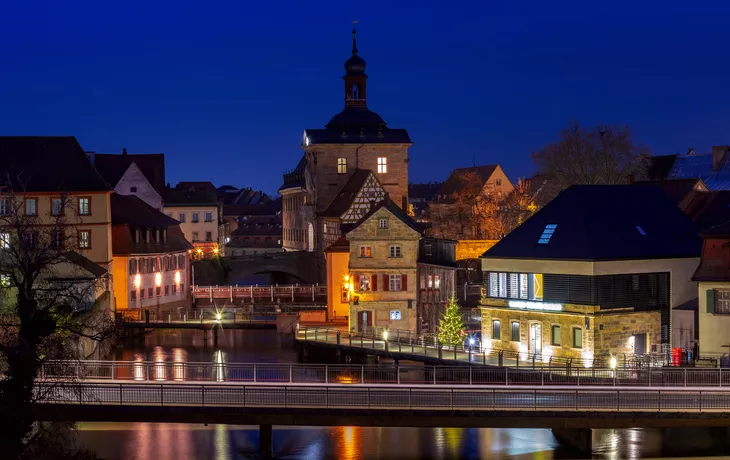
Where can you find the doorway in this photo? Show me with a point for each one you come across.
(364, 321)
(535, 338)
(640, 344)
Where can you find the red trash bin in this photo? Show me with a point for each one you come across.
(676, 356)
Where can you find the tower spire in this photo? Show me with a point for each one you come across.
(354, 37)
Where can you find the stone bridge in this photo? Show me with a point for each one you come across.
(282, 268)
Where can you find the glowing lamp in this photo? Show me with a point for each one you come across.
(137, 281)
(177, 277)
(472, 341)
(347, 277)
(385, 335)
(218, 316)
(215, 250)
(158, 278)
(612, 362)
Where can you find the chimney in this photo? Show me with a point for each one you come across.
(718, 156)
(124, 151)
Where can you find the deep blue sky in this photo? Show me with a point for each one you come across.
(226, 88)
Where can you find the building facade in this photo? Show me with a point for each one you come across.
(354, 139)
(255, 235)
(713, 284)
(140, 175)
(151, 265)
(195, 206)
(600, 270)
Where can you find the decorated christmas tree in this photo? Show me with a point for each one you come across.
(451, 327)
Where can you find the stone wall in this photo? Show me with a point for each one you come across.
(473, 249)
(614, 330)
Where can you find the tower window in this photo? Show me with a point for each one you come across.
(341, 165)
(382, 165)
(355, 91)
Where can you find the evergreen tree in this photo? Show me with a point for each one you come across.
(451, 327)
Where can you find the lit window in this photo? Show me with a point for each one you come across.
(364, 283)
(4, 207)
(722, 302)
(4, 240)
(382, 165)
(341, 165)
(31, 208)
(196, 217)
(395, 315)
(85, 239)
(383, 223)
(641, 230)
(436, 282)
(547, 233)
(195, 236)
(496, 329)
(577, 338)
(345, 294)
(366, 251)
(84, 206)
(395, 251)
(395, 282)
(209, 217)
(56, 206)
(429, 281)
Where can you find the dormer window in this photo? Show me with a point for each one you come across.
(147, 235)
(640, 230)
(157, 235)
(136, 236)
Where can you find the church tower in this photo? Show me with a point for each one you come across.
(355, 142)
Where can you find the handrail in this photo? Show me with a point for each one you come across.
(412, 398)
(140, 371)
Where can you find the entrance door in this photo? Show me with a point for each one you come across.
(364, 321)
(640, 344)
(535, 338)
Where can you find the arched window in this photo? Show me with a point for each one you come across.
(355, 91)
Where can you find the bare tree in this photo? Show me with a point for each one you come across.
(601, 155)
(46, 309)
(516, 208)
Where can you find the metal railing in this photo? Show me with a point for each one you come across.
(292, 292)
(471, 351)
(387, 398)
(147, 371)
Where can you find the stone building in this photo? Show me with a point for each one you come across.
(151, 266)
(395, 278)
(356, 139)
(599, 270)
(255, 235)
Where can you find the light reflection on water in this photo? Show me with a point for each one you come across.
(166, 441)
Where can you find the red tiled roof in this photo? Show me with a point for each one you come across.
(341, 245)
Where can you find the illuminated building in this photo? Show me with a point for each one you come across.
(195, 206)
(600, 270)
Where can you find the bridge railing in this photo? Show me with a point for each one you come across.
(286, 292)
(388, 398)
(471, 350)
(147, 371)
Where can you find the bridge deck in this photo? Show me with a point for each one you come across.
(268, 323)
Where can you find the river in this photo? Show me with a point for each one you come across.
(167, 441)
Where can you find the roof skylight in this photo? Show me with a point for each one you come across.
(547, 233)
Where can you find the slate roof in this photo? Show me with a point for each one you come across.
(356, 133)
(342, 201)
(454, 183)
(270, 208)
(112, 167)
(394, 209)
(48, 164)
(259, 226)
(191, 194)
(677, 189)
(599, 222)
(129, 212)
(699, 166)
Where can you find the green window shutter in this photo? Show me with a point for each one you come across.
(710, 301)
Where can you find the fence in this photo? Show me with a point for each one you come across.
(146, 371)
(291, 292)
(409, 398)
(471, 351)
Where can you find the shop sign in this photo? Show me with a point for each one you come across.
(540, 306)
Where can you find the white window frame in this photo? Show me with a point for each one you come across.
(395, 315)
(382, 165)
(342, 165)
(395, 251)
(208, 216)
(395, 281)
(364, 250)
(4, 240)
(383, 223)
(195, 218)
(84, 243)
(84, 206)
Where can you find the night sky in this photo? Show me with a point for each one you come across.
(225, 89)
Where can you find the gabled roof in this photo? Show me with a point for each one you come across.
(95, 269)
(340, 245)
(707, 209)
(295, 178)
(112, 167)
(394, 209)
(678, 189)
(259, 226)
(191, 193)
(48, 164)
(700, 165)
(659, 166)
(603, 222)
(131, 210)
(269, 208)
(342, 201)
(454, 182)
